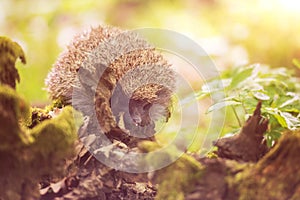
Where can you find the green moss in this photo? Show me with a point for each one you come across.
(212, 153)
(55, 136)
(57, 103)
(13, 109)
(38, 115)
(178, 178)
(273, 177)
(28, 154)
(28, 144)
(10, 51)
(24, 164)
(148, 146)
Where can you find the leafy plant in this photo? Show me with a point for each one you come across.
(243, 87)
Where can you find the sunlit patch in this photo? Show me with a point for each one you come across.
(290, 5)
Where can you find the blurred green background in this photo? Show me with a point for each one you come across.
(232, 32)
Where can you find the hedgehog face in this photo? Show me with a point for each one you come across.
(144, 113)
(139, 112)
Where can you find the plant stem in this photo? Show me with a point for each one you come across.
(244, 109)
(236, 115)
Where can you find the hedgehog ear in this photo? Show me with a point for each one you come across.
(163, 93)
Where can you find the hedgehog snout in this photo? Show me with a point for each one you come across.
(137, 120)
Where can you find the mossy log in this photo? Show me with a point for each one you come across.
(275, 175)
(28, 153)
(245, 169)
(248, 145)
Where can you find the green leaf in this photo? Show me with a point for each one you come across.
(291, 110)
(280, 120)
(241, 76)
(256, 87)
(291, 121)
(272, 136)
(290, 101)
(269, 81)
(201, 95)
(269, 141)
(275, 134)
(222, 104)
(261, 96)
(215, 86)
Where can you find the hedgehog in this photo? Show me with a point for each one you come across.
(110, 75)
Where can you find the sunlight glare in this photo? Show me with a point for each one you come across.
(290, 5)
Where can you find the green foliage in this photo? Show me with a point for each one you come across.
(277, 88)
